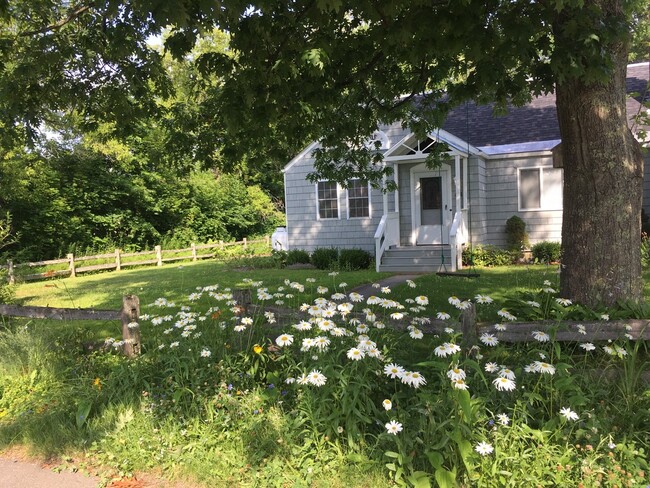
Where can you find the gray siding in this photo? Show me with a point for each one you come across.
(477, 221)
(501, 202)
(306, 231)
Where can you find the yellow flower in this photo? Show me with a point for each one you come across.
(97, 383)
(257, 349)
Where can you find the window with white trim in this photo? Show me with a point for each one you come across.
(328, 199)
(358, 199)
(540, 189)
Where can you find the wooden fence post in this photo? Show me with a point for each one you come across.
(193, 252)
(468, 326)
(245, 243)
(10, 272)
(268, 241)
(158, 256)
(118, 260)
(131, 334)
(73, 271)
(243, 299)
(221, 245)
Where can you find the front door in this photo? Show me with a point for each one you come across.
(432, 207)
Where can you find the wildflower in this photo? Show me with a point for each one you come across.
(411, 283)
(413, 378)
(174, 344)
(609, 350)
(303, 379)
(397, 316)
(587, 346)
(446, 349)
(343, 284)
(393, 370)
(500, 327)
(374, 353)
(464, 305)
(355, 354)
(453, 300)
(581, 329)
(544, 368)
(339, 296)
(540, 336)
(443, 316)
(456, 374)
(302, 325)
(257, 349)
(240, 328)
(355, 297)
(483, 448)
(422, 300)
(459, 384)
(565, 302)
(284, 340)
(533, 303)
(385, 289)
(568, 414)
(503, 419)
(270, 317)
(247, 321)
(504, 384)
(321, 342)
(506, 315)
(133, 325)
(507, 373)
(97, 383)
(321, 290)
(488, 339)
(393, 427)
(205, 353)
(604, 317)
(387, 404)
(316, 378)
(491, 367)
(629, 336)
(483, 299)
(416, 333)
(449, 330)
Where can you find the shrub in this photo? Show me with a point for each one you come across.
(354, 259)
(546, 252)
(297, 256)
(488, 256)
(517, 239)
(325, 258)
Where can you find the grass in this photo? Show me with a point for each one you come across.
(215, 410)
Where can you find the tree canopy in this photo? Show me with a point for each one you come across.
(331, 70)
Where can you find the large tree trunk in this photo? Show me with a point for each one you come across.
(603, 191)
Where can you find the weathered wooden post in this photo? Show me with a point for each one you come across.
(468, 326)
(131, 334)
(10, 272)
(73, 271)
(245, 243)
(243, 299)
(193, 252)
(221, 245)
(118, 260)
(267, 239)
(158, 255)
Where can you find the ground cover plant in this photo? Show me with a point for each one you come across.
(313, 384)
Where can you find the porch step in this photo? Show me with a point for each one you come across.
(417, 259)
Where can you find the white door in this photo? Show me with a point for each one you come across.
(433, 211)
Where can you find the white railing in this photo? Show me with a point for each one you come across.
(387, 235)
(457, 237)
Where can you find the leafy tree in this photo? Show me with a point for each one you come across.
(331, 70)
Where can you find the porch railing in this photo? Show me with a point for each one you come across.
(457, 237)
(387, 235)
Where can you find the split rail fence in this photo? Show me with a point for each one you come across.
(118, 260)
(128, 315)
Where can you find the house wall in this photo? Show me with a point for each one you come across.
(477, 220)
(502, 200)
(306, 231)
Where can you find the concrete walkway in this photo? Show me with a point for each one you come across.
(24, 474)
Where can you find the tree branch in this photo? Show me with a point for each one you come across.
(57, 25)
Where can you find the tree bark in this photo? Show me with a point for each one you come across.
(603, 190)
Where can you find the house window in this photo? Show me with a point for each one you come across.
(540, 189)
(328, 200)
(358, 199)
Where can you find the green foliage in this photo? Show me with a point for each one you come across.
(325, 258)
(297, 256)
(645, 251)
(354, 259)
(547, 252)
(517, 237)
(487, 256)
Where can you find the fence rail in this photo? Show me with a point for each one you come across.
(119, 260)
(128, 314)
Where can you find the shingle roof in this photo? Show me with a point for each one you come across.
(536, 121)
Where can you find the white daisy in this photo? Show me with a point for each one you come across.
(393, 427)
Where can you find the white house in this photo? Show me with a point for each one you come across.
(496, 167)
